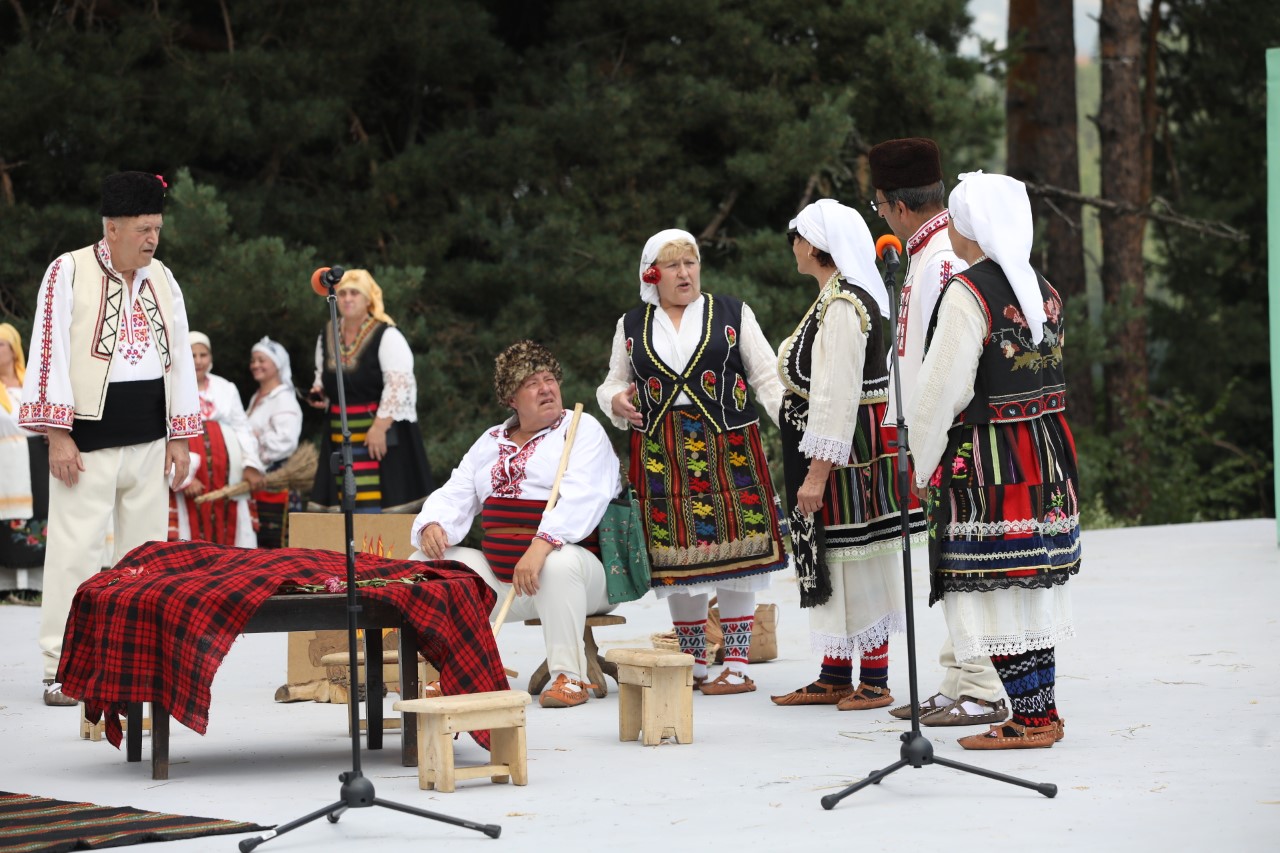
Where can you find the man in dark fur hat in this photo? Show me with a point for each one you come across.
(911, 199)
(112, 385)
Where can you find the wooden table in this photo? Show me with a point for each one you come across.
(315, 612)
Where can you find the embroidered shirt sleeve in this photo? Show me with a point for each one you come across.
(184, 399)
(455, 504)
(590, 481)
(619, 379)
(945, 384)
(399, 388)
(762, 365)
(839, 354)
(46, 391)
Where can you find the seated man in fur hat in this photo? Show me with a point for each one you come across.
(113, 386)
(548, 556)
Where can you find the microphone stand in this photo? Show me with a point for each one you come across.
(357, 791)
(916, 750)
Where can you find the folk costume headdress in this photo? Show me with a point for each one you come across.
(517, 363)
(995, 212)
(10, 336)
(905, 163)
(840, 232)
(279, 356)
(652, 248)
(361, 280)
(132, 194)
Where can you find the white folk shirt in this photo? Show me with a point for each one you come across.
(133, 358)
(497, 466)
(674, 347)
(930, 264)
(276, 421)
(399, 389)
(220, 401)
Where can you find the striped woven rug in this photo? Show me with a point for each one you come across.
(41, 825)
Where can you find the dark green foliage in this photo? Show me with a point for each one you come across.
(496, 165)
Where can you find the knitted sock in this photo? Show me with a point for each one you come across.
(836, 671)
(693, 641)
(1028, 678)
(737, 642)
(874, 669)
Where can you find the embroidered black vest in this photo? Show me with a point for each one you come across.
(1016, 380)
(796, 359)
(715, 378)
(362, 374)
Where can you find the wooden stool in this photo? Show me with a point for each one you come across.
(439, 719)
(597, 667)
(655, 694)
(95, 731)
(426, 674)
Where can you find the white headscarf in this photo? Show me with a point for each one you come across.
(995, 212)
(842, 233)
(649, 292)
(199, 338)
(278, 354)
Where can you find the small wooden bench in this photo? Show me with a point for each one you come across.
(426, 674)
(597, 667)
(96, 731)
(655, 695)
(440, 718)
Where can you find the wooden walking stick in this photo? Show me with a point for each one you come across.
(551, 502)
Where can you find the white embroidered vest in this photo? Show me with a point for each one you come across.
(99, 305)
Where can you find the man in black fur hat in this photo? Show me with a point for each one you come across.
(112, 384)
(911, 199)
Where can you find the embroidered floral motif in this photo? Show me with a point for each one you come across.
(137, 335)
(655, 388)
(629, 343)
(740, 393)
(709, 382)
(507, 475)
(731, 335)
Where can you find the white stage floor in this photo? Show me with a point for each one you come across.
(1171, 693)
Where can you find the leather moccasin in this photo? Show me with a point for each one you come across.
(817, 693)
(936, 702)
(1012, 735)
(956, 715)
(55, 698)
(562, 695)
(865, 698)
(722, 686)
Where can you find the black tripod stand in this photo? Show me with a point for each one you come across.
(917, 750)
(357, 791)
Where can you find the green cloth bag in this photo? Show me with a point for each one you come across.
(623, 550)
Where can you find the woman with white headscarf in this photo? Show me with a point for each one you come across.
(679, 374)
(276, 420)
(839, 462)
(226, 453)
(996, 458)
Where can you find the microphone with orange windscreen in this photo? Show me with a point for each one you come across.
(888, 249)
(325, 278)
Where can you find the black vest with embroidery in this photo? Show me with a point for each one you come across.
(1016, 380)
(797, 362)
(715, 378)
(361, 371)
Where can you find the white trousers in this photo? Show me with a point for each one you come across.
(570, 588)
(127, 483)
(976, 677)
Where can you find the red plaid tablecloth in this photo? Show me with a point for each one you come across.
(157, 626)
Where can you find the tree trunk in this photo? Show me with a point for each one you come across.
(1124, 180)
(1041, 140)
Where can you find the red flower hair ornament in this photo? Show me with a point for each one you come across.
(651, 276)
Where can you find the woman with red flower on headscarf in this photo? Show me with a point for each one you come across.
(678, 376)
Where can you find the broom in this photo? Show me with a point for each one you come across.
(297, 473)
